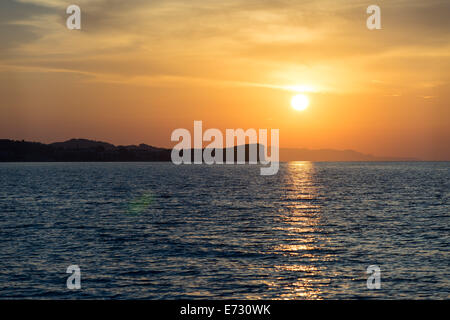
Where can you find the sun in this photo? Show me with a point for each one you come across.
(300, 102)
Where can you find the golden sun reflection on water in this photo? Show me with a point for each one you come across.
(301, 223)
(293, 249)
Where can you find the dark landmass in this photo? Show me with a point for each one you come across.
(75, 150)
(83, 150)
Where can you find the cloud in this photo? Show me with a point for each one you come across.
(229, 41)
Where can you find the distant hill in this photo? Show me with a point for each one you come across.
(75, 150)
(287, 154)
(82, 144)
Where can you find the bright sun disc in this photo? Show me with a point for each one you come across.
(300, 102)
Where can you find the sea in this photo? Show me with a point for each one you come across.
(160, 231)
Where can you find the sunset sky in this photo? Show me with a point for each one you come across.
(139, 69)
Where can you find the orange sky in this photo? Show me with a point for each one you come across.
(140, 69)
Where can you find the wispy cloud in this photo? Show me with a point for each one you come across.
(274, 41)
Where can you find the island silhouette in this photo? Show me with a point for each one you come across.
(85, 150)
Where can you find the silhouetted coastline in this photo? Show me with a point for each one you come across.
(84, 150)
